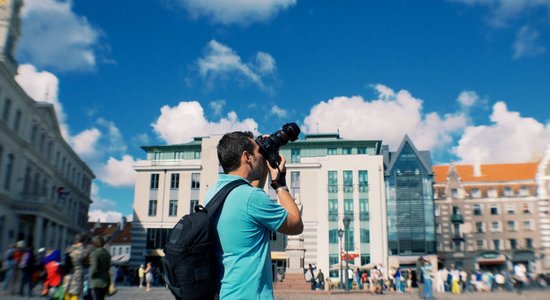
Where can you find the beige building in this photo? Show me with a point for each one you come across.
(44, 185)
(487, 215)
(330, 177)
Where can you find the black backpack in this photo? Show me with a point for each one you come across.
(192, 256)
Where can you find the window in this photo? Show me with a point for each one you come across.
(476, 193)
(365, 259)
(478, 210)
(6, 112)
(295, 155)
(526, 208)
(197, 155)
(454, 193)
(513, 244)
(348, 181)
(495, 226)
(524, 191)
(178, 155)
(192, 205)
(333, 210)
(34, 131)
(173, 208)
(363, 209)
(156, 155)
(152, 208)
(480, 227)
(346, 151)
(480, 244)
(496, 244)
(511, 225)
(331, 151)
(456, 210)
(333, 236)
(9, 169)
(527, 225)
(295, 184)
(365, 236)
(195, 181)
(494, 210)
(492, 193)
(332, 182)
(529, 243)
(175, 181)
(437, 210)
(363, 181)
(508, 192)
(154, 181)
(361, 150)
(17, 121)
(510, 209)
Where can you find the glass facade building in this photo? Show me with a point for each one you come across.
(410, 205)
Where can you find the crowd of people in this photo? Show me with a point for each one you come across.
(428, 280)
(81, 271)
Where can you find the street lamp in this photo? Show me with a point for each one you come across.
(340, 235)
(346, 226)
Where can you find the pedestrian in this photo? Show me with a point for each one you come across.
(520, 276)
(427, 280)
(321, 280)
(350, 278)
(365, 279)
(410, 281)
(455, 274)
(312, 277)
(9, 264)
(27, 268)
(99, 269)
(53, 272)
(358, 279)
(398, 280)
(80, 259)
(148, 277)
(141, 275)
(249, 215)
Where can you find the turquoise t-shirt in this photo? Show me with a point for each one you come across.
(247, 217)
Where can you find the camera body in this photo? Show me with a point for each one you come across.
(269, 146)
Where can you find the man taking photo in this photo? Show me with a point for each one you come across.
(249, 215)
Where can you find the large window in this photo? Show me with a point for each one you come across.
(365, 236)
(195, 181)
(363, 209)
(494, 210)
(480, 227)
(478, 210)
(152, 208)
(363, 181)
(295, 155)
(476, 193)
(331, 151)
(346, 151)
(496, 245)
(495, 226)
(9, 169)
(154, 181)
(295, 183)
(513, 244)
(333, 236)
(6, 112)
(529, 243)
(192, 205)
(17, 121)
(173, 208)
(332, 181)
(333, 210)
(348, 182)
(362, 150)
(511, 225)
(175, 181)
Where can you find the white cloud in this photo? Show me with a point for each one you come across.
(223, 63)
(279, 112)
(468, 99)
(104, 216)
(502, 11)
(141, 139)
(43, 86)
(181, 123)
(116, 141)
(85, 143)
(217, 106)
(510, 138)
(118, 173)
(387, 118)
(53, 36)
(236, 11)
(526, 43)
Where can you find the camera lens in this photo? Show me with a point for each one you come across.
(269, 146)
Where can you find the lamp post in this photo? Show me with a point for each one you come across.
(340, 235)
(346, 226)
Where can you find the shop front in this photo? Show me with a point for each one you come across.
(492, 261)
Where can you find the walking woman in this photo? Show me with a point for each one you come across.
(148, 277)
(99, 269)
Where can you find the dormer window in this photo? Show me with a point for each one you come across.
(508, 192)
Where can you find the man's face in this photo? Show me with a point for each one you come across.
(258, 163)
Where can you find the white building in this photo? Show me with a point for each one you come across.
(331, 177)
(44, 185)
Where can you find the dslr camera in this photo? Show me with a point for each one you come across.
(269, 146)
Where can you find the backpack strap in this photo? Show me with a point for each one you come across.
(218, 200)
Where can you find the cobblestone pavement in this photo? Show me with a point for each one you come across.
(135, 293)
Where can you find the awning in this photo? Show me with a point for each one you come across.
(279, 255)
(524, 256)
(491, 258)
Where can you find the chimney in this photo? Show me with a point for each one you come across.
(477, 164)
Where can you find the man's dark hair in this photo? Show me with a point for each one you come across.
(98, 242)
(231, 147)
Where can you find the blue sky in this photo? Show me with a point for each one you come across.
(467, 79)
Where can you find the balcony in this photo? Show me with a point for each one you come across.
(457, 218)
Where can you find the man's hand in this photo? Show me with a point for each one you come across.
(278, 176)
